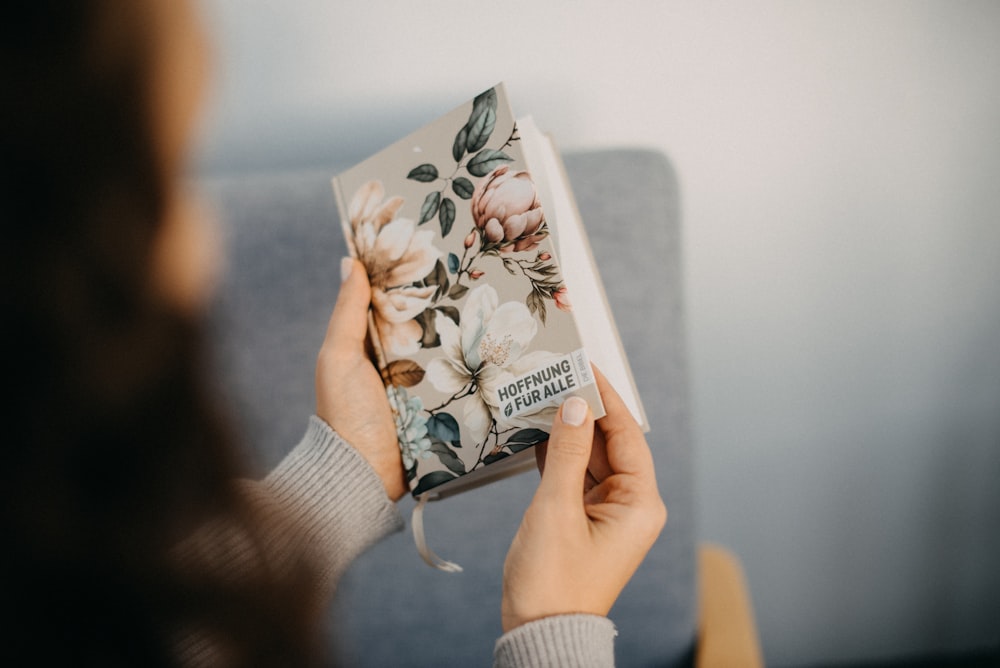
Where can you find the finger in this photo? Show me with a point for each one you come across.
(348, 326)
(568, 452)
(627, 450)
(598, 468)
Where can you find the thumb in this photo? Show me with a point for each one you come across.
(349, 322)
(568, 452)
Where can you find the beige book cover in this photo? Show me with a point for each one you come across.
(474, 325)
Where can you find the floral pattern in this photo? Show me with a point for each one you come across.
(436, 325)
(395, 256)
(411, 425)
(483, 353)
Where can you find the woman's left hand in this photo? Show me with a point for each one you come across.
(350, 396)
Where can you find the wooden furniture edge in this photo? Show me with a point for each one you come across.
(727, 632)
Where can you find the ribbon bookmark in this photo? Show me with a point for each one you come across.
(418, 537)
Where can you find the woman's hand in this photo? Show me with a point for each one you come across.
(595, 515)
(350, 396)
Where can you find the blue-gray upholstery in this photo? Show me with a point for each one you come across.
(284, 248)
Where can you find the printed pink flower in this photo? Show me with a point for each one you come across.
(561, 297)
(396, 256)
(506, 210)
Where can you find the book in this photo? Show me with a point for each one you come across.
(487, 307)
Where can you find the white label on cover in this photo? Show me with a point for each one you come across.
(547, 385)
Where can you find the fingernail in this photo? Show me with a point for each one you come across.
(346, 267)
(574, 411)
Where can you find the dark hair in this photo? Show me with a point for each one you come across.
(114, 449)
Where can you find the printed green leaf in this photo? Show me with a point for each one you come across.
(458, 148)
(489, 459)
(545, 270)
(486, 99)
(458, 292)
(424, 173)
(486, 161)
(428, 325)
(448, 457)
(450, 312)
(446, 215)
(463, 187)
(430, 207)
(453, 263)
(480, 128)
(536, 304)
(438, 277)
(432, 480)
(526, 438)
(443, 427)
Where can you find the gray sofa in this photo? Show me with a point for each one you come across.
(284, 246)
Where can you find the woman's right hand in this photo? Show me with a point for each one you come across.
(350, 396)
(595, 515)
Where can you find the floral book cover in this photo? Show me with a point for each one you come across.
(471, 320)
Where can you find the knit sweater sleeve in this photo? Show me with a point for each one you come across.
(577, 641)
(336, 501)
(333, 499)
(339, 503)
(323, 503)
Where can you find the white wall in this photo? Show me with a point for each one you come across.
(840, 171)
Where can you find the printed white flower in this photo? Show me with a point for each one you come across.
(411, 425)
(488, 349)
(396, 256)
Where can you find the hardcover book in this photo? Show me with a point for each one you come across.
(487, 309)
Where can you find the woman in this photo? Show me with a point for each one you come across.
(129, 540)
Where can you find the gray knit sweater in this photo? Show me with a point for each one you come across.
(340, 504)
